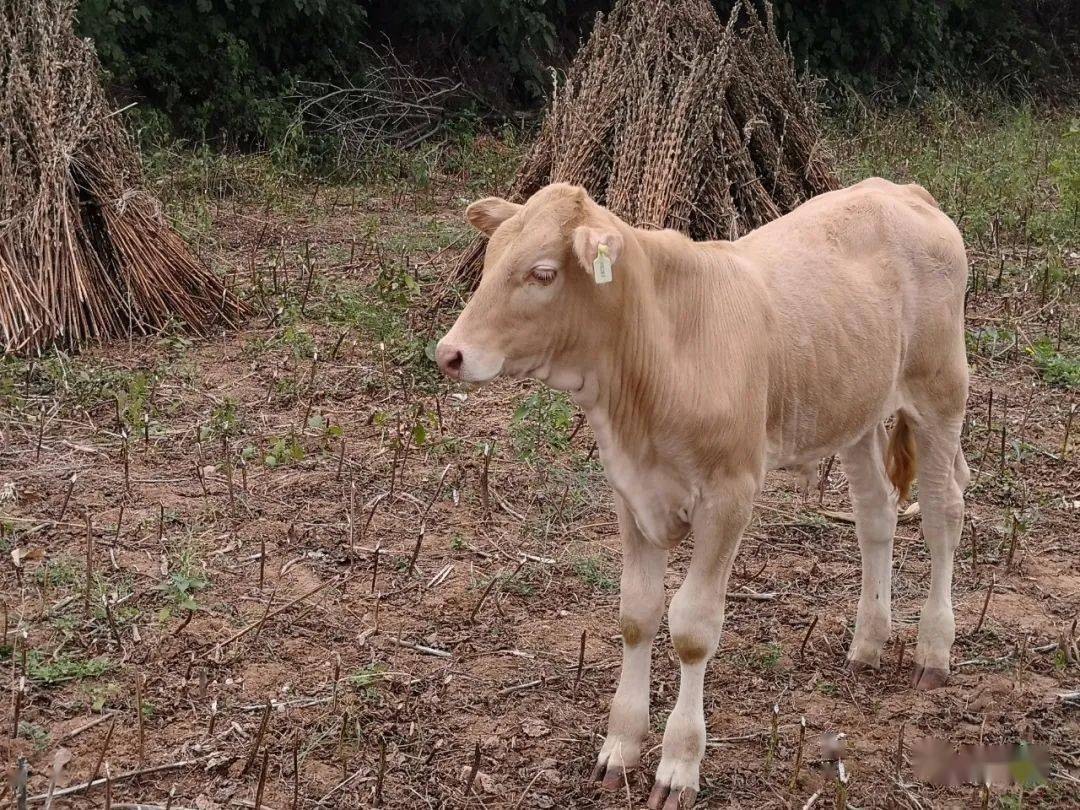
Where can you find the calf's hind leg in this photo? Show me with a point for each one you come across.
(874, 499)
(942, 474)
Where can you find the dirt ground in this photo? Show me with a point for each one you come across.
(299, 515)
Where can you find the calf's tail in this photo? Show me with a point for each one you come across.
(900, 456)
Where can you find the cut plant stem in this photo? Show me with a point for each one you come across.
(580, 661)
(262, 779)
(1013, 539)
(89, 563)
(416, 551)
(806, 638)
(485, 493)
(899, 753)
(986, 603)
(1068, 427)
(262, 560)
(139, 709)
(296, 773)
(119, 523)
(258, 739)
(67, 497)
(473, 769)
(18, 707)
(104, 750)
(798, 755)
(379, 777)
(774, 725)
(336, 678)
(341, 744)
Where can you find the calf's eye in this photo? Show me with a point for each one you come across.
(542, 275)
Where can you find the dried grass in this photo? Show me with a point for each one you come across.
(84, 252)
(673, 120)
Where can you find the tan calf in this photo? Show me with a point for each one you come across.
(700, 366)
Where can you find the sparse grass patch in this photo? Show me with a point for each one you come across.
(542, 421)
(1056, 367)
(51, 670)
(366, 680)
(955, 149)
(597, 573)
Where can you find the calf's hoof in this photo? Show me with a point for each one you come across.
(857, 667)
(665, 797)
(676, 784)
(610, 776)
(927, 678)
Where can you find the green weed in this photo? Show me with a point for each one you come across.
(543, 420)
(1057, 368)
(57, 669)
(596, 573)
(286, 450)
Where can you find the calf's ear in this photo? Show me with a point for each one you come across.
(587, 241)
(488, 214)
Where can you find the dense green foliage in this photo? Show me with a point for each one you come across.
(223, 67)
(220, 67)
(891, 44)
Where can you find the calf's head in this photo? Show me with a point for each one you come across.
(537, 306)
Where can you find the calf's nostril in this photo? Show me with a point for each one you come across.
(450, 359)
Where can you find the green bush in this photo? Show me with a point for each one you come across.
(224, 68)
(891, 45)
(221, 67)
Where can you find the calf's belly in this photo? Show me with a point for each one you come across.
(813, 431)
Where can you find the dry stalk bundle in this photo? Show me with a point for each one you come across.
(85, 253)
(674, 120)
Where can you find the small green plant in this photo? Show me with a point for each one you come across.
(285, 451)
(828, 688)
(186, 578)
(57, 572)
(505, 583)
(102, 695)
(57, 669)
(766, 658)
(542, 420)
(596, 573)
(37, 735)
(1057, 368)
(180, 588)
(224, 421)
(366, 680)
(989, 340)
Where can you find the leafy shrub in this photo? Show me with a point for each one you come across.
(221, 66)
(225, 67)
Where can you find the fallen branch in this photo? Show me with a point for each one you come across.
(120, 777)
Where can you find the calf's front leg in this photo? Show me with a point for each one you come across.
(641, 606)
(696, 618)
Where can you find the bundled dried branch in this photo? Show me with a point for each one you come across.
(392, 106)
(673, 120)
(84, 252)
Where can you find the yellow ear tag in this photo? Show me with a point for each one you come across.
(601, 266)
